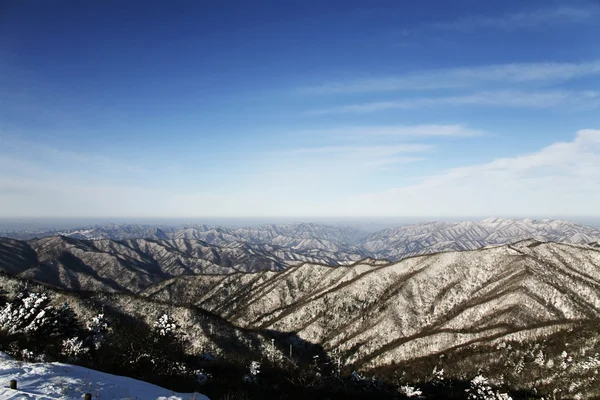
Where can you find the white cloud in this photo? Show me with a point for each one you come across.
(476, 76)
(395, 131)
(501, 98)
(295, 181)
(560, 179)
(64, 198)
(364, 151)
(520, 20)
(34, 158)
(331, 169)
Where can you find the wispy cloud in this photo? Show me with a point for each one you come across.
(372, 151)
(560, 179)
(62, 197)
(524, 19)
(500, 98)
(455, 78)
(34, 158)
(395, 131)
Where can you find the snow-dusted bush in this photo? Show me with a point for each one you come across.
(27, 355)
(254, 368)
(272, 354)
(565, 360)
(356, 377)
(591, 364)
(410, 391)
(73, 349)
(254, 371)
(480, 389)
(165, 325)
(540, 358)
(202, 377)
(438, 376)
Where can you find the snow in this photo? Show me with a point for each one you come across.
(44, 381)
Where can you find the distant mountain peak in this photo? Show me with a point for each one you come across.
(492, 220)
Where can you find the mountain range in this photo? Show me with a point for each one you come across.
(132, 264)
(423, 305)
(343, 244)
(502, 290)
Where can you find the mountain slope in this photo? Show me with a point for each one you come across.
(432, 237)
(130, 265)
(204, 332)
(378, 313)
(297, 236)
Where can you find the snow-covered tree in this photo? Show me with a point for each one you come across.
(254, 368)
(27, 313)
(336, 361)
(272, 354)
(98, 330)
(540, 359)
(30, 313)
(316, 368)
(154, 349)
(67, 323)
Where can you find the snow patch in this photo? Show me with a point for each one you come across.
(65, 381)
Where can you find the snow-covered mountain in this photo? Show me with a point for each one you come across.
(297, 236)
(377, 313)
(334, 244)
(205, 332)
(93, 232)
(519, 305)
(374, 311)
(132, 264)
(432, 237)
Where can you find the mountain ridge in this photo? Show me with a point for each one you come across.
(344, 244)
(350, 301)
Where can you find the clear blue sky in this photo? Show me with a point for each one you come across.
(324, 108)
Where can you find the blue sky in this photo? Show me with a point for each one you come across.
(328, 108)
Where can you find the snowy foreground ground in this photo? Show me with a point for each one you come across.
(42, 381)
